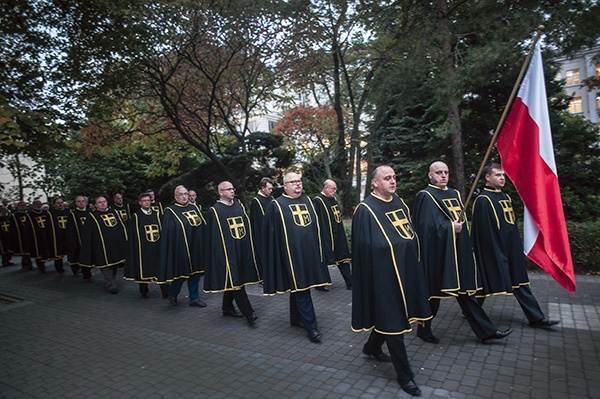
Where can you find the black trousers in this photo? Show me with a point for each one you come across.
(528, 303)
(480, 322)
(26, 262)
(241, 299)
(395, 344)
(302, 310)
(346, 273)
(86, 272)
(145, 289)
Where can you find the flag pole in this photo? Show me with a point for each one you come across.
(511, 99)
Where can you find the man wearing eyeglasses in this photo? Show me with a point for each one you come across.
(232, 264)
(182, 243)
(447, 255)
(293, 255)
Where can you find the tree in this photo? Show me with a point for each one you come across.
(462, 58)
(312, 132)
(59, 59)
(335, 61)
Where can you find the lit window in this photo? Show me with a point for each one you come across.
(597, 69)
(573, 77)
(598, 102)
(575, 106)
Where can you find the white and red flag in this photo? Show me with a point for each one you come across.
(525, 146)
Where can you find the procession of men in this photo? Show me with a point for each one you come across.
(398, 266)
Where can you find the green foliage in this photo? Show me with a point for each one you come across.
(104, 173)
(585, 246)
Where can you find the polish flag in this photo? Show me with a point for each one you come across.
(525, 146)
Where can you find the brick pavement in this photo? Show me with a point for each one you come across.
(61, 338)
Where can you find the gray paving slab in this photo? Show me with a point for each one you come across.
(61, 338)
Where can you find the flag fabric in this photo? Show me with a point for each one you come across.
(525, 146)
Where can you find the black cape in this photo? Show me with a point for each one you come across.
(157, 207)
(38, 233)
(124, 211)
(75, 224)
(231, 262)
(258, 207)
(335, 244)
(447, 257)
(389, 289)
(143, 255)
(17, 233)
(182, 242)
(59, 225)
(5, 238)
(103, 240)
(497, 243)
(292, 248)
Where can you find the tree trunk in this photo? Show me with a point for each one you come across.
(453, 120)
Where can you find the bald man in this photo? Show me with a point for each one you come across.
(447, 255)
(335, 244)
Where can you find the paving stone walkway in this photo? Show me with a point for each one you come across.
(62, 338)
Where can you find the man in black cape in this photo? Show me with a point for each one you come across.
(389, 290)
(5, 239)
(104, 243)
(77, 218)
(143, 254)
(335, 244)
(156, 205)
(121, 207)
(18, 235)
(231, 260)
(181, 248)
(499, 250)
(447, 255)
(293, 254)
(59, 223)
(39, 240)
(257, 213)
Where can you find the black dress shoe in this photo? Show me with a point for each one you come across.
(232, 313)
(251, 319)
(428, 337)
(381, 357)
(314, 336)
(498, 335)
(322, 288)
(410, 387)
(544, 323)
(173, 300)
(198, 304)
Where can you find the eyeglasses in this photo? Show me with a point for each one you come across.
(293, 182)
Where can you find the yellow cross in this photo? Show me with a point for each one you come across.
(152, 233)
(401, 223)
(300, 214)
(236, 227)
(509, 214)
(453, 207)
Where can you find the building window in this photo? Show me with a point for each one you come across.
(575, 106)
(597, 102)
(597, 69)
(572, 77)
(272, 125)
